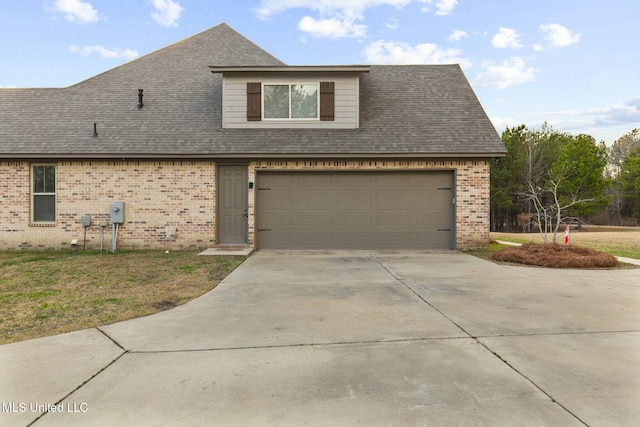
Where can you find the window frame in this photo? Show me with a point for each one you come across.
(35, 194)
(290, 84)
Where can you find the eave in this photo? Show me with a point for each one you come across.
(177, 156)
(291, 69)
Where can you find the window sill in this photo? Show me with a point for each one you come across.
(42, 224)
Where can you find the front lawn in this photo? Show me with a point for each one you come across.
(44, 293)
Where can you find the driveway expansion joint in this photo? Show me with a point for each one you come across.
(322, 344)
(79, 387)
(111, 339)
(477, 340)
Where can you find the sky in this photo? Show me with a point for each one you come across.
(570, 63)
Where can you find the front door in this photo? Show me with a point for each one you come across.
(232, 205)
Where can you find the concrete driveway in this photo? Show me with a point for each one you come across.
(347, 338)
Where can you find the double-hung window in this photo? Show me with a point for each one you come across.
(300, 101)
(43, 193)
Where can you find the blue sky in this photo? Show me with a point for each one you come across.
(571, 63)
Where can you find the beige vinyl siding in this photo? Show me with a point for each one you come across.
(346, 100)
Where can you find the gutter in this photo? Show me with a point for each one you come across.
(175, 156)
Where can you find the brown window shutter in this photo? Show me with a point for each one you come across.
(327, 101)
(254, 102)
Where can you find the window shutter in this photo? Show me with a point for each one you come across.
(254, 102)
(327, 101)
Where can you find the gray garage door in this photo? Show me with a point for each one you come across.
(355, 210)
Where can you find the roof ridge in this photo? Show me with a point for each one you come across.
(221, 28)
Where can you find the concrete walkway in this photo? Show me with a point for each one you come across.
(346, 338)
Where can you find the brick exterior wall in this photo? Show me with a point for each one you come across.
(168, 205)
(172, 204)
(472, 189)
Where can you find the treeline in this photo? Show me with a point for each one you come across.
(550, 178)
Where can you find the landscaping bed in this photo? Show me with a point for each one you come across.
(555, 256)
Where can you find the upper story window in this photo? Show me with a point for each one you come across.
(291, 101)
(291, 96)
(43, 193)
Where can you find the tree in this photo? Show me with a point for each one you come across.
(629, 181)
(572, 185)
(505, 180)
(582, 163)
(620, 149)
(529, 155)
(621, 205)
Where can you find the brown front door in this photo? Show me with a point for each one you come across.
(232, 205)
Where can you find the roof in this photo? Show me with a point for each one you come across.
(290, 69)
(405, 111)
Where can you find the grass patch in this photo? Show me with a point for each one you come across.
(485, 253)
(51, 292)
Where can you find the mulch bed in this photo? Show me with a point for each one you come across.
(555, 256)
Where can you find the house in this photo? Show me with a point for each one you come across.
(212, 141)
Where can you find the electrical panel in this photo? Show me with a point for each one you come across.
(86, 220)
(117, 212)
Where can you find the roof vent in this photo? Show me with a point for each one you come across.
(95, 130)
(140, 103)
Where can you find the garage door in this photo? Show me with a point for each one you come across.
(355, 210)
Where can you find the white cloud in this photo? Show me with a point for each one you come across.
(383, 52)
(457, 35)
(559, 36)
(333, 28)
(76, 11)
(338, 17)
(103, 52)
(506, 38)
(445, 7)
(167, 12)
(351, 8)
(507, 73)
(392, 24)
(603, 123)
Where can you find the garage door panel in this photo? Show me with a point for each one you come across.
(394, 200)
(355, 210)
(356, 181)
(279, 200)
(394, 181)
(354, 199)
(354, 219)
(315, 180)
(314, 219)
(311, 239)
(318, 199)
(394, 219)
(354, 240)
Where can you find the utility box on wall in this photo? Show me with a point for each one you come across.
(117, 212)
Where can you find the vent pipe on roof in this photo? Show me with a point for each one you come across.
(140, 103)
(95, 130)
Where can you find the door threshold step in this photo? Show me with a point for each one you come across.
(228, 251)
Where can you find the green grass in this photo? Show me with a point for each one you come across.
(485, 253)
(49, 292)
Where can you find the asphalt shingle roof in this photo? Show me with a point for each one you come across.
(421, 110)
